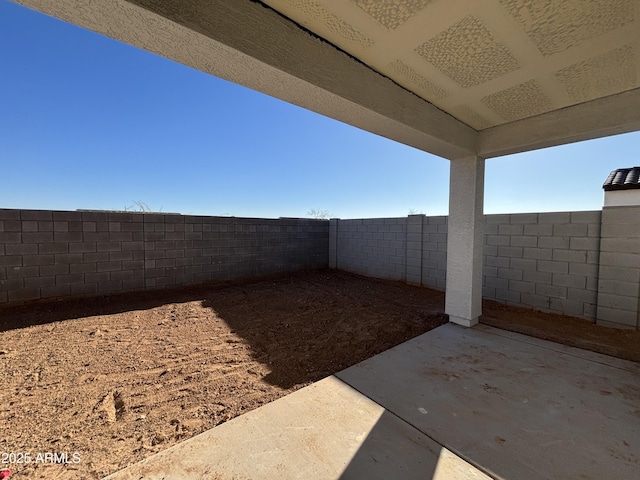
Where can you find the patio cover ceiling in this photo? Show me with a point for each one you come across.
(453, 78)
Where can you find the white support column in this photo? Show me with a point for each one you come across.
(464, 241)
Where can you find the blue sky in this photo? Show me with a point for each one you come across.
(87, 122)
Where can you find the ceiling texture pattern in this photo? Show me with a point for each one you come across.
(486, 62)
(455, 78)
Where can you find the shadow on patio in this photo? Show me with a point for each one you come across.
(440, 406)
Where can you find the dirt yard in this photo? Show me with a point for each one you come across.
(91, 386)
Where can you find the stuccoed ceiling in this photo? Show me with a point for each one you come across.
(486, 62)
(455, 78)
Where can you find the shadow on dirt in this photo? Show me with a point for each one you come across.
(303, 326)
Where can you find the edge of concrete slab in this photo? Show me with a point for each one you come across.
(327, 430)
(331, 430)
(565, 349)
(513, 406)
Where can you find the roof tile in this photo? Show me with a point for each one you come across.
(623, 179)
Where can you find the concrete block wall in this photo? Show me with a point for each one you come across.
(548, 261)
(333, 243)
(619, 273)
(585, 264)
(414, 249)
(427, 251)
(434, 252)
(55, 254)
(375, 247)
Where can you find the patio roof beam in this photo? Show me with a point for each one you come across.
(598, 118)
(251, 45)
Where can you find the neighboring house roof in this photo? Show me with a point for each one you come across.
(623, 179)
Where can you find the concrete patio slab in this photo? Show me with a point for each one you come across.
(517, 407)
(454, 404)
(324, 431)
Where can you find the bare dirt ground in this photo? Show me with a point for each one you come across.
(105, 382)
(572, 331)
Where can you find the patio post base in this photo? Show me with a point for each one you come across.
(465, 322)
